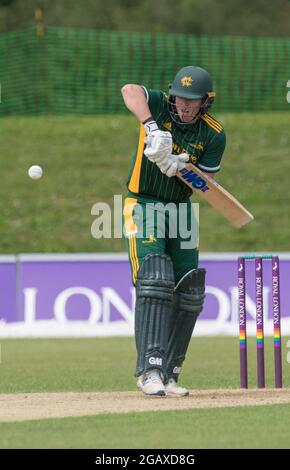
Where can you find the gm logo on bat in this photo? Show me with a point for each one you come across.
(195, 180)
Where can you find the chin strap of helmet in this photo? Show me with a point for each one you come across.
(207, 101)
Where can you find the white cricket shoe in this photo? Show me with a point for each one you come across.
(151, 383)
(172, 389)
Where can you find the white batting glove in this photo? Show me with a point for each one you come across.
(173, 163)
(159, 143)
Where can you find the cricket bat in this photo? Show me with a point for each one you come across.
(218, 197)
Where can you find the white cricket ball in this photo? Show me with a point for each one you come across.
(35, 172)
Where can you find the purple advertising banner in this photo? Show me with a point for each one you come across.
(77, 289)
(92, 295)
(8, 308)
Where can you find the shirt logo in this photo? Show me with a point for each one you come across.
(177, 149)
(186, 81)
(168, 125)
(151, 239)
(198, 146)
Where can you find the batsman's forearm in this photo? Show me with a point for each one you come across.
(135, 100)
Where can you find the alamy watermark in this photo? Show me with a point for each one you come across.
(148, 221)
(288, 353)
(288, 93)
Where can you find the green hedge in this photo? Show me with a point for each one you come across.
(81, 71)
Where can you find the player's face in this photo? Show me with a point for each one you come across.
(187, 109)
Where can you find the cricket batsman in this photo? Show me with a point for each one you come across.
(170, 287)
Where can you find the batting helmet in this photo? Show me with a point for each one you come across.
(192, 83)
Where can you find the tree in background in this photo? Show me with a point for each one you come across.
(5, 2)
(197, 17)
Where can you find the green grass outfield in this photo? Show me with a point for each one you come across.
(86, 160)
(107, 364)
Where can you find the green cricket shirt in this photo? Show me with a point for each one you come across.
(204, 141)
